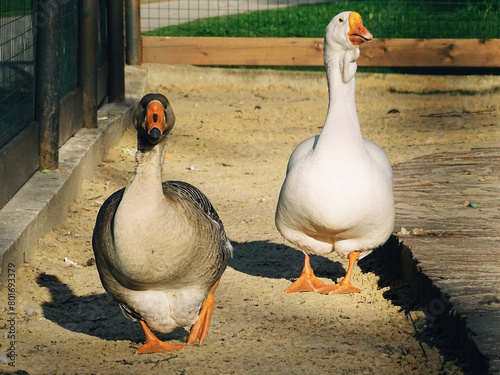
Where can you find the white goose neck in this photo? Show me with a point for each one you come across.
(341, 129)
(340, 71)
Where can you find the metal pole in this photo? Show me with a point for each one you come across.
(48, 81)
(116, 48)
(133, 32)
(87, 73)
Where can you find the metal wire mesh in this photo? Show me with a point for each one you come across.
(69, 53)
(17, 67)
(308, 18)
(69, 18)
(102, 51)
(18, 20)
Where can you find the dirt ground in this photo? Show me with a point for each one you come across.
(234, 133)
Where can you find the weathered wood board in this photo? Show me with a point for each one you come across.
(309, 52)
(449, 207)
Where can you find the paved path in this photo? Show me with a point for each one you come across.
(168, 13)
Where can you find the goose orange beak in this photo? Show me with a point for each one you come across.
(155, 119)
(357, 34)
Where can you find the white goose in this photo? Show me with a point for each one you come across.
(337, 194)
(160, 248)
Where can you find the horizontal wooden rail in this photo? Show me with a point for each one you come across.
(309, 52)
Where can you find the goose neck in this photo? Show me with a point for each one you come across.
(340, 71)
(150, 160)
(341, 129)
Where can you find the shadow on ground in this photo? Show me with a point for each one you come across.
(278, 261)
(96, 315)
(99, 315)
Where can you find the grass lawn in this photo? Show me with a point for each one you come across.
(14, 8)
(385, 19)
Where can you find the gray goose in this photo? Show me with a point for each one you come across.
(160, 248)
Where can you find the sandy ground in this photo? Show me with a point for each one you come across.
(232, 139)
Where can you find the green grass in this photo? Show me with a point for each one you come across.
(13, 8)
(385, 19)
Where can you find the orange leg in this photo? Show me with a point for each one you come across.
(307, 282)
(153, 344)
(202, 324)
(344, 286)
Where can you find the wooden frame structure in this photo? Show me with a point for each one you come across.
(309, 52)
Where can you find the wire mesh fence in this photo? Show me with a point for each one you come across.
(69, 53)
(17, 67)
(102, 35)
(18, 22)
(308, 18)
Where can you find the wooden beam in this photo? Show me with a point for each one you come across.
(233, 51)
(309, 52)
(431, 53)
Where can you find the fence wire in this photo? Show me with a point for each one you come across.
(102, 50)
(308, 18)
(17, 67)
(69, 53)
(18, 20)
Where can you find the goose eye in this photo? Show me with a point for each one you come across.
(341, 20)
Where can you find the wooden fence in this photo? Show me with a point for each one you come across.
(309, 52)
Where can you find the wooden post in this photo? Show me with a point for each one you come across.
(133, 32)
(87, 72)
(116, 48)
(48, 83)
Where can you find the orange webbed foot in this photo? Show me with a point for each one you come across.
(340, 288)
(153, 344)
(202, 324)
(344, 286)
(307, 282)
(157, 347)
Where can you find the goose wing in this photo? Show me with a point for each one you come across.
(103, 240)
(193, 195)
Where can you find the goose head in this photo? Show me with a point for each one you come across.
(153, 119)
(344, 34)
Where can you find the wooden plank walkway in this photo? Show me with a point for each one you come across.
(449, 207)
